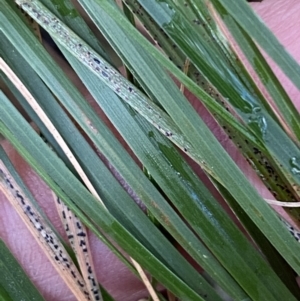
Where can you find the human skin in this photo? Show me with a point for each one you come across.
(282, 18)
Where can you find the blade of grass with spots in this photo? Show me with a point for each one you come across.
(77, 236)
(43, 234)
(129, 89)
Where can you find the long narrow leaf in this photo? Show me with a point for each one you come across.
(72, 192)
(263, 70)
(112, 112)
(236, 183)
(13, 280)
(253, 25)
(99, 180)
(254, 115)
(165, 174)
(145, 190)
(278, 183)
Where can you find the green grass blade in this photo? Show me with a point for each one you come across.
(13, 281)
(257, 119)
(104, 179)
(282, 188)
(136, 100)
(139, 182)
(171, 49)
(284, 159)
(163, 172)
(67, 12)
(92, 87)
(193, 143)
(250, 148)
(61, 120)
(252, 24)
(75, 195)
(82, 151)
(263, 70)
(18, 179)
(129, 50)
(236, 182)
(4, 296)
(283, 270)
